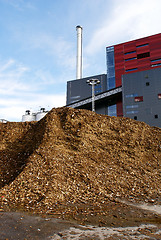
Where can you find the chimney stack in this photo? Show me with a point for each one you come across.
(79, 52)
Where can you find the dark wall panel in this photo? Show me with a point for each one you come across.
(141, 99)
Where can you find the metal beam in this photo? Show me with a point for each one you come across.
(98, 97)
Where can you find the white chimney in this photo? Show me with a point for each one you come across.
(79, 52)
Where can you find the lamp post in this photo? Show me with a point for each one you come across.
(93, 82)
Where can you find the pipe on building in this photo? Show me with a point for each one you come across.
(79, 52)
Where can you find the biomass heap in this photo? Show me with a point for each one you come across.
(76, 158)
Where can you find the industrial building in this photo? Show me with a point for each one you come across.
(132, 86)
(133, 56)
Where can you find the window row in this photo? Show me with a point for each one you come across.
(139, 46)
(140, 98)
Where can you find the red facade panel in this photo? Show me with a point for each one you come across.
(129, 47)
(154, 38)
(119, 48)
(131, 64)
(119, 66)
(155, 54)
(144, 63)
(131, 55)
(118, 80)
(143, 49)
(137, 55)
(119, 109)
(155, 45)
(141, 41)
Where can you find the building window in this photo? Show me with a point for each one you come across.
(156, 115)
(147, 83)
(132, 112)
(131, 95)
(129, 59)
(130, 52)
(143, 45)
(110, 68)
(132, 106)
(138, 99)
(112, 110)
(132, 69)
(159, 95)
(111, 82)
(155, 65)
(135, 118)
(155, 60)
(143, 55)
(97, 89)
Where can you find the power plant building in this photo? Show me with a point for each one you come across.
(132, 86)
(133, 56)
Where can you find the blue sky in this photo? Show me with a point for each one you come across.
(38, 45)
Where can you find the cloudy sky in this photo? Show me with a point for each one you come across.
(38, 45)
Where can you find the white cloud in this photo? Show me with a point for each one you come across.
(11, 74)
(6, 65)
(45, 77)
(19, 5)
(12, 113)
(19, 93)
(128, 20)
(12, 109)
(48, 100)
(62, 51)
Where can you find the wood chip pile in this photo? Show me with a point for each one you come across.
(78, 158)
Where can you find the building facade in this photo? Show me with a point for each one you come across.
(132, 86)
(133, 56)
(141, 94)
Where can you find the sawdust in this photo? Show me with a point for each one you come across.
(76, 164)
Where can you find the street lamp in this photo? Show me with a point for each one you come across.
(93, 82)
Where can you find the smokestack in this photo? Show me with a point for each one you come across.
(79, 52)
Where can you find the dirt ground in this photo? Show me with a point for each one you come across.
(21, 226)
(80, 167)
